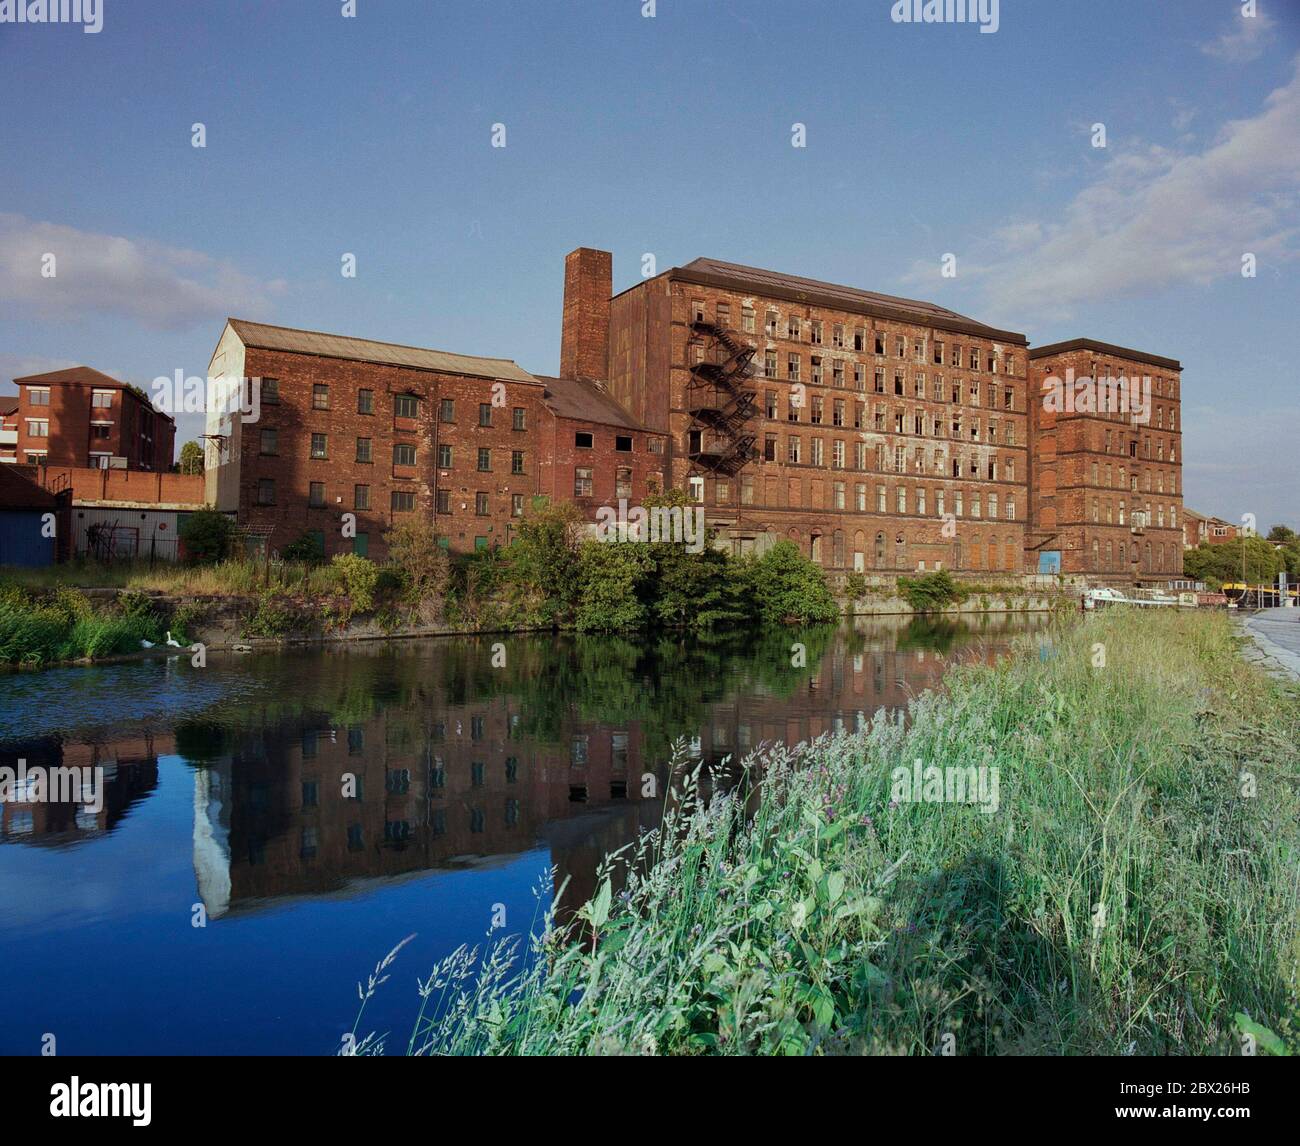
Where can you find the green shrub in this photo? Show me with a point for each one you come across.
(930, 592)
(206, 535)
(611, 582)
(359, 577)
(784, 586)
(306, 550)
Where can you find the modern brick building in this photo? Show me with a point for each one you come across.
(1106, 462)
(880, 434)
(383, 432)
(82, 418)
(9, 429)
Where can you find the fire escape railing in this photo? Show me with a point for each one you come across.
(721, 402)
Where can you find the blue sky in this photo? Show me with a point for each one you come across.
(668, 135)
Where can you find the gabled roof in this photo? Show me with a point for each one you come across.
(1104, 348)
(8, 405)
(20, 492)
(73, 376)
(773, 284)
(585, 401)
(263, 337)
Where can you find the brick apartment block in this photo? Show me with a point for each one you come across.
(384, 432)
(82, 418)
(848, 421)
(1107, 486)
(1199, 529)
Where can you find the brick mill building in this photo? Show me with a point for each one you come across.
(84, 419)
(386, 432)
(1106, 483)
(880, 434)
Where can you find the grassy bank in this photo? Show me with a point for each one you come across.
(1135, 890)
(65, 626)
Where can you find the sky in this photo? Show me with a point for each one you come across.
(668, 135)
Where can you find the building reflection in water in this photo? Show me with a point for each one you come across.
(385, 760)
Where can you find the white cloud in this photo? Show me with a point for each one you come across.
(1155, 218)
(161, 286)
(1244, 40)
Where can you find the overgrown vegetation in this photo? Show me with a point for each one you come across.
(206, 534)
(931, 592)
(1133, 892)
(64, 626)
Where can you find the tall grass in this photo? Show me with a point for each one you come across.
(65, 627)
(1125, 897)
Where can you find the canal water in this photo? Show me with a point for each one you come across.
(273, 824)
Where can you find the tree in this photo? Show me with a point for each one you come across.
(544, 559)
(612, 579)
(416, 552)
(205, 533)
(191, 458)
(1217, 564)
(785, 586)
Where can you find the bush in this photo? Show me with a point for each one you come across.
(930, 592)
(359, 577)
(306, 550)
(785, 586)
(611, 583)
(275, 616)
(416, 555)
(206, 534)
(855, 587)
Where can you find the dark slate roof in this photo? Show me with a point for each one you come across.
(586, 401)
(19, 492)
(1104, 348)
(264, 337)
(773, 284)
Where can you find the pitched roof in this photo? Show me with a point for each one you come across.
(586, 401)
(73, 376)
(19, 492)
(8, 405)
(263, 337)
(773, 284)
(1104, 348)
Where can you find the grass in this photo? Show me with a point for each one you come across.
(63, 626)
(1135, 892)
(224, 579)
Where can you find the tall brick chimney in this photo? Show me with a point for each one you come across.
(584, 340)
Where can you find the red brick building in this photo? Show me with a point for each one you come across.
(8, 429)
(1199, 529)
(382, 432)
(879, 434)
(1106, 462)
(80, 417)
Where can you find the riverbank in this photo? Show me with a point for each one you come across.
(1120, 882)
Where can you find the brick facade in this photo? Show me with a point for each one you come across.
(886, 440)
(82, 418)
(584, 337)
(1107, 486)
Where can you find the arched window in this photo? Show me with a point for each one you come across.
(1146, 557)
(1009, 554)
(993, 553)
(880, 550)
(817, 548)
(1123, 556)
(1110, 554)
(837, 551)
(1096, 553)
(900, 552)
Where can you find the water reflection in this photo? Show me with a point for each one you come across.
(322, 773)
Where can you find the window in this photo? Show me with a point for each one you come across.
(792, 367)
(364, 450)
(485, 413)
(623, 481)
(316, 494)
(365, 401)
(38, 395)
(360, 497)
(406, 406)
(403, 500)
(101, 399)
(266, 491)
(816, 337)
(516, 505)
(38, 428)
(481, 503)
(747, 319)
(769, 448)
(583, 440)
(769, 364)
(320, 396)
(270, 441)
(484, 459)
(623, 443)
(520, 418)
(270, 391)
(695, 487)
(444, 457)
(319, 446)
(100, 430)
(792, 449)
(447, 410)
(442, 501)
(516, 461)
(403, 454)
(582, 483)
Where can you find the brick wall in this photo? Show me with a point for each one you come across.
(1091, 471)
(584, 338)
(620, 461)
(133, 429)
(138, 486)
(653, 346)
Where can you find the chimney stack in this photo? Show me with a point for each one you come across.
(584, 339)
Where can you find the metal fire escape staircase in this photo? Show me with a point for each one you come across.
(721, 402)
